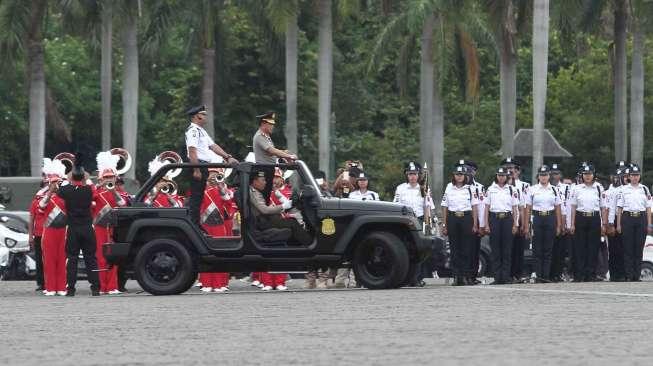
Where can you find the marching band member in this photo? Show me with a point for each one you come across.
(461, 225)
(106, 198)
(633, 221)
(544, 202)
(587, 202)
(501, 205)
(164, 192)
(214, 210)
(53, 243)
(35, 231)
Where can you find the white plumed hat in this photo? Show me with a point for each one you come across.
(106, 163)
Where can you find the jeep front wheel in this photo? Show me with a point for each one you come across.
(164, 267)
(381, 261)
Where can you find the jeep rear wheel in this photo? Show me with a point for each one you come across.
(381, 261)
(164, 267)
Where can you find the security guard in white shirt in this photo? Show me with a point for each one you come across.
(362, 193)
(544, 203)
(520, 240)
(561, 243)
(200, 148)
(615, 243)
(459, 213)
(478, 190)
(587, 202)
(410, 193)
(633, 221)
(501, 205)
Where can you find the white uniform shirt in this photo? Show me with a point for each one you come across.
(634, 199)
(197, 137)
(542, 198)
(501, 199)
(368, 195)
(588, 198)
(611, 202)
(411, 197)
(458, 199)
(564, 192)
(478, 190)
(523, 191)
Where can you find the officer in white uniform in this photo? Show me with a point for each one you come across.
(520, 240)
(633, 221)
(199, 149)
(501, 205)
(587, 202)
(544, 202)
(615, 243)
(410, 194)
(478, 190)
(459, 212)
(362, 193)
(562, 243)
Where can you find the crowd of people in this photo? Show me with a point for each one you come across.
(565, 217)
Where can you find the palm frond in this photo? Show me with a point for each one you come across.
(279, 12)
(157, 24)
(471, 65)
(346, 8)
(396, 27)
(591, 16)
(14, 19)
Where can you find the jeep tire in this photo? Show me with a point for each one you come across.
(380, 261)
(164, 267)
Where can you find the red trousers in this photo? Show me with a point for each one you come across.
(273, 279)
(215, 279)
(53, 246)
(108, 279)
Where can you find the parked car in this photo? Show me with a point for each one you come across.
(16, 258)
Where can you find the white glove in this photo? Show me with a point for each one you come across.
(286, 204)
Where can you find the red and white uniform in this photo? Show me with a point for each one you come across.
(277, 279)
(216, 212)
(37, 217)
(53, 242)
(104, 200)
(167, 200)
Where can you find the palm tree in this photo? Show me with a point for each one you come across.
(283, 17)
(105, 71)
(434, 22)
(640, 21)
(130, 80)
(507, 18)
(325, 83)
(540, 63)
(22, 34)
(209, 11)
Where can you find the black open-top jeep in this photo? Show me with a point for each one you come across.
(164, 250)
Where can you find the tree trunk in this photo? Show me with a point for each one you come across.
(540, 64)
(208, 80)
(325, 80)
(637, 98)
(130, 89)
(508, 100)
(620, 96)
(105, 72)
(291, 83)
(36, 74)
(437, 167)
(426, 89)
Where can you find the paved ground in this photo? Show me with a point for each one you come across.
(587, 323)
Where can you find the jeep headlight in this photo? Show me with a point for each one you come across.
(10, 243)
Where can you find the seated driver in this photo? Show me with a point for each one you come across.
(269, 216)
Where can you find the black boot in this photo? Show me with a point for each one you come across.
(70, 292)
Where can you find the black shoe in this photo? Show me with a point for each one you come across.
(123, 290)
(39, 288)
(70, 293)
(577, 280)
(95, 293)
(497, 282)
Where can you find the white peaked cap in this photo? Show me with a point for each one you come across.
(54, 167)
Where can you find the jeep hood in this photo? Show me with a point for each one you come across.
(378, 206)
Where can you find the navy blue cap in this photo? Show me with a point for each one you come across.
(268, 117)
(195, 110)
(510, 161)
(412, 167)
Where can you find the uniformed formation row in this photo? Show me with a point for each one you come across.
(560, 214)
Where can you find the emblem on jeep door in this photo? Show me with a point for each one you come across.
(328, 226)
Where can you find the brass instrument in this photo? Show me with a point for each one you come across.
(125, 162)
(426, 192)
(68, 160)
(171, 157)
(169, 188)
